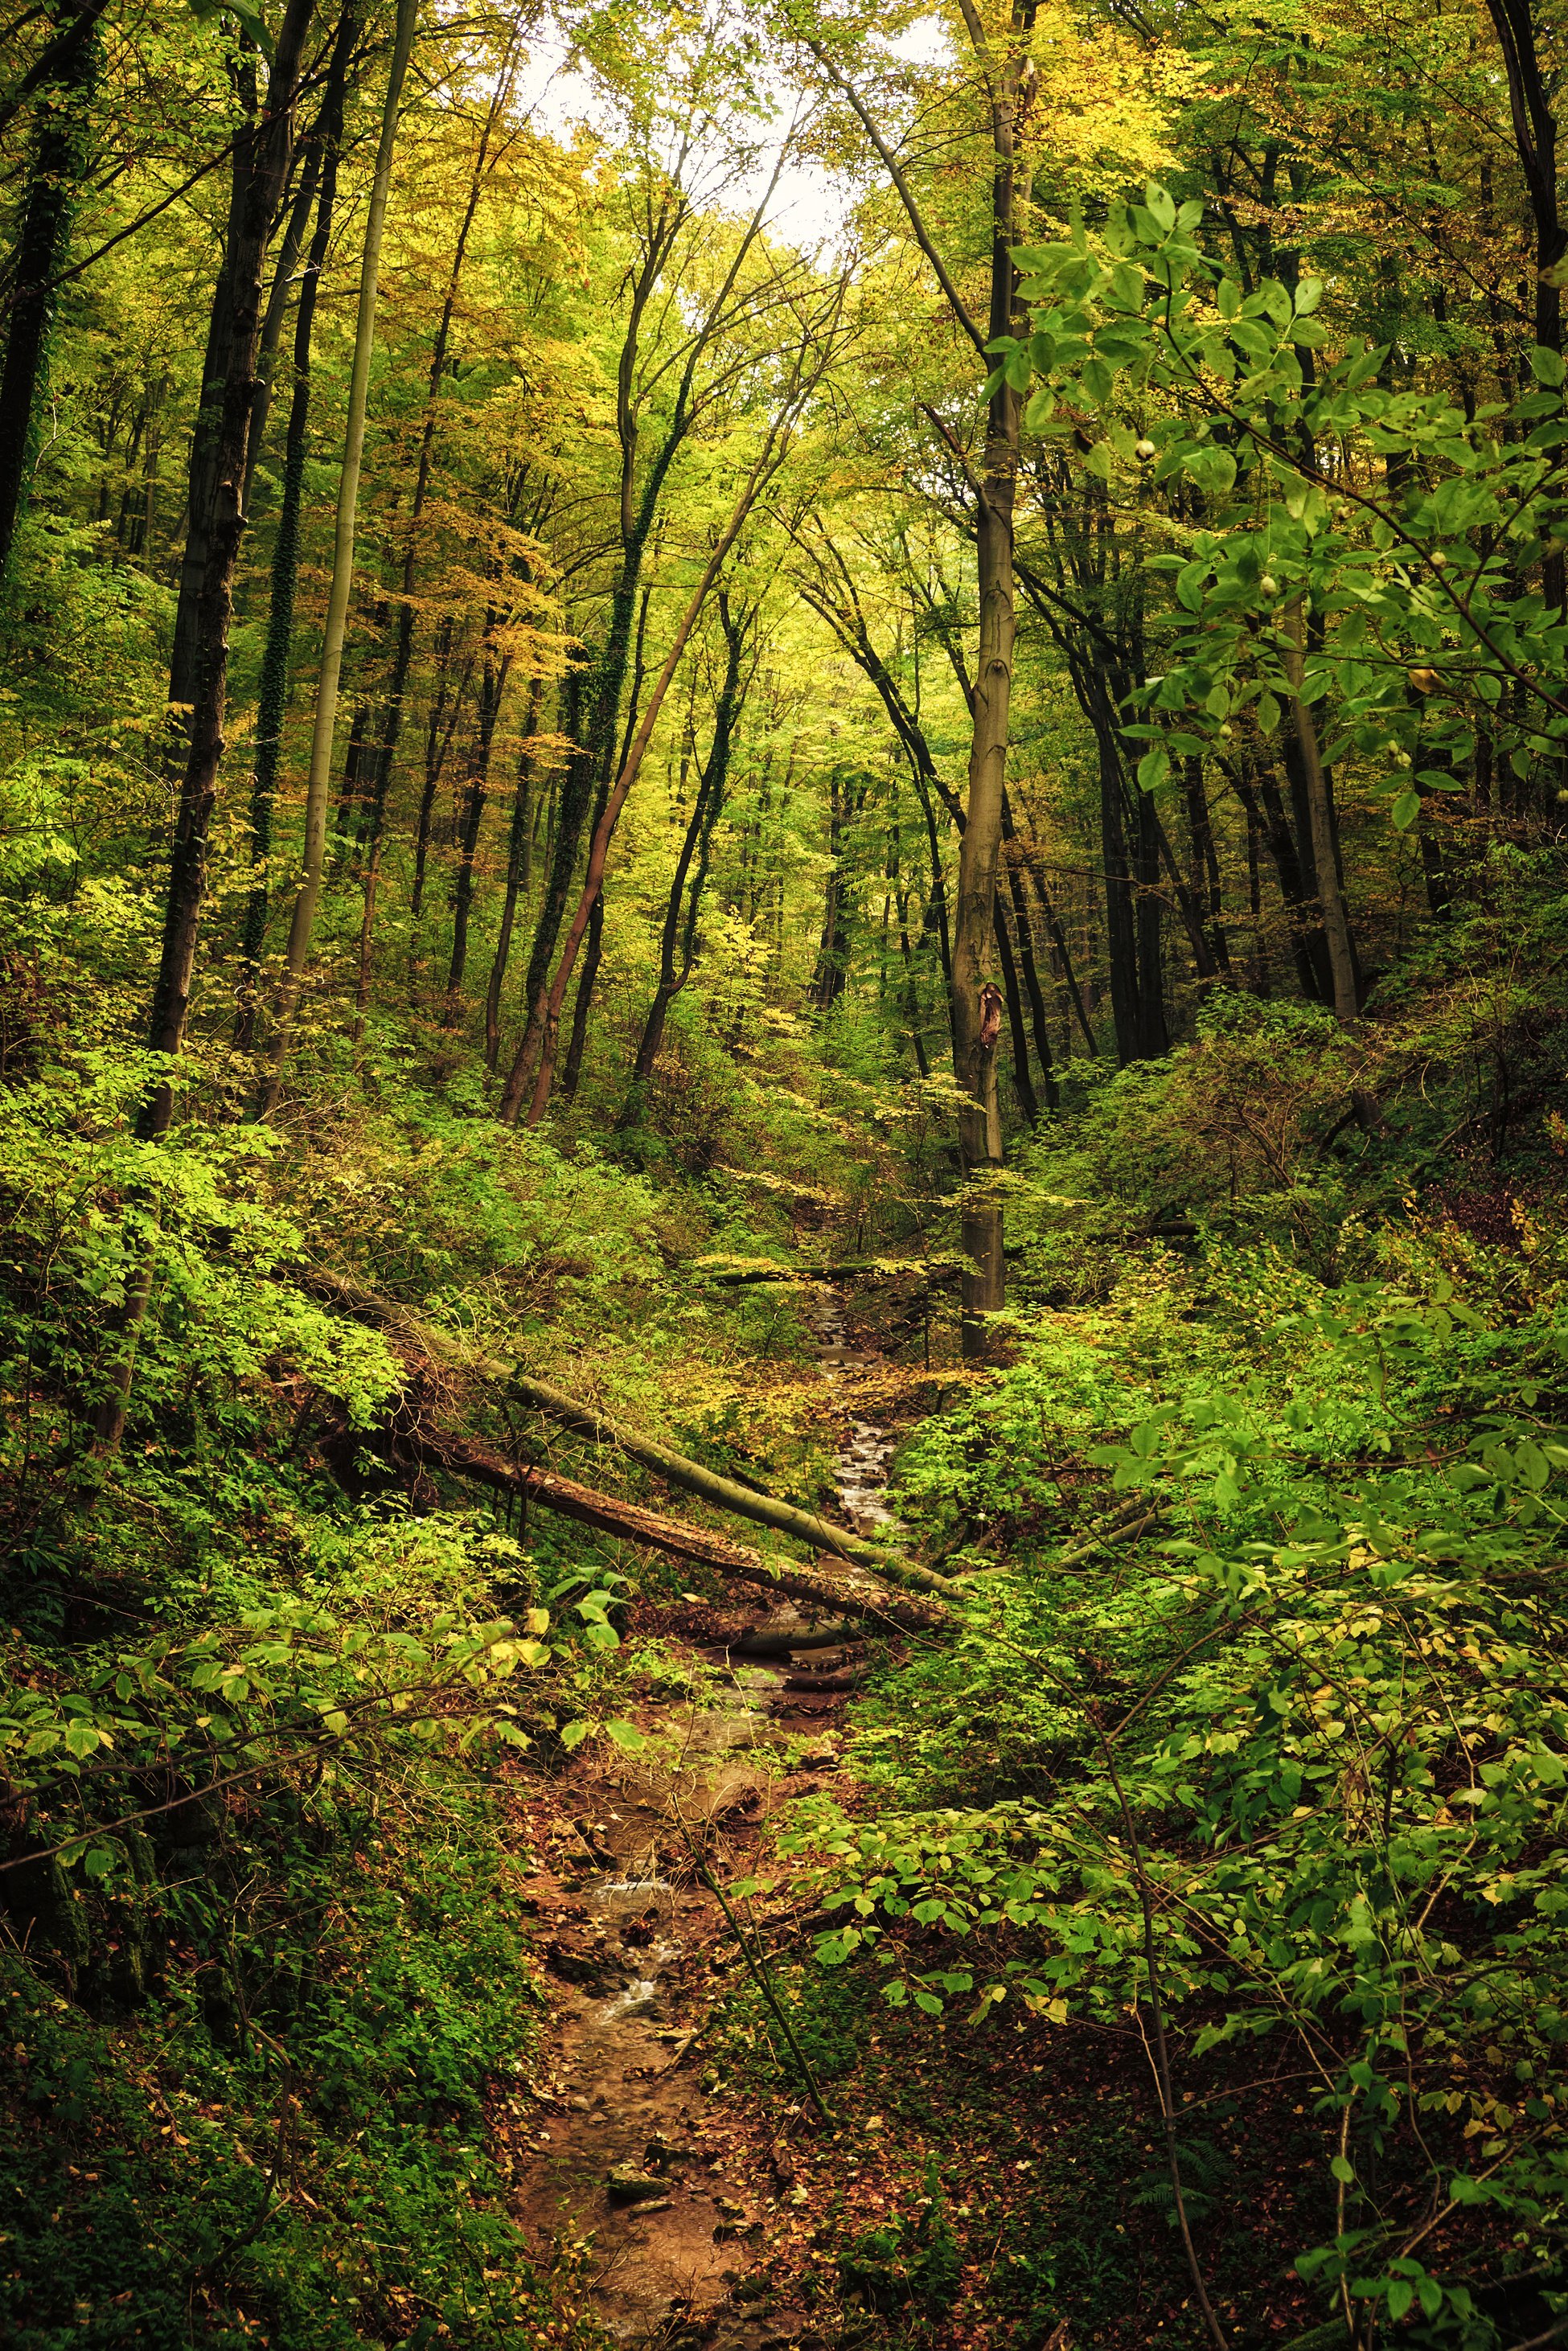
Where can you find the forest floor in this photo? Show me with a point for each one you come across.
(698, 2222)
(670, 2153)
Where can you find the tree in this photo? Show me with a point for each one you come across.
(303, 923)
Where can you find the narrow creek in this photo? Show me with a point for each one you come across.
(627, 2154)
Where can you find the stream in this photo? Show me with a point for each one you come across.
(626, 2155)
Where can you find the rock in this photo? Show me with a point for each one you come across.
(627, 2185)
(580, 2105)
(746, 2227)
(670, 2151)
(729, 2205)
(751, 2289)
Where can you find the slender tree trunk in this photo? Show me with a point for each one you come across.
(706, 806)
(402, 648)
(61, 159)
(592, 765)
(287, 261)
(1063, 954)
(260, 167)
(439, 724)
(766, 465)
(572, 1068)
(518, 845)
(301, 929)
(1030, 971)
(492, 690)
(1153, 1036)
(273, 699)
(1319, 809)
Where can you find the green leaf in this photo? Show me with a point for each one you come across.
(1154, 767)
(1191, 580)
(1268, 712)
(1405, 810)
(1213, 470)
(1401, 2294)
(249, 15)
(1340, 2168)
(573, 1734)
(1161, 206)
(1545, 366)
(627, 1736)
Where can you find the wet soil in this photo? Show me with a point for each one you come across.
(626, 2155)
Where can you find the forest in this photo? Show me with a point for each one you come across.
(783, 1174)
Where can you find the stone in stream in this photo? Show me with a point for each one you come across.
(627, 2185)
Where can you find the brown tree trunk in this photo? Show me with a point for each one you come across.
(519, 845)
(1319, 809)
(491, 689)
(261, 157)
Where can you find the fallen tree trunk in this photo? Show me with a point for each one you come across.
(585, 1420)
(931, 1271)
(464, 1458)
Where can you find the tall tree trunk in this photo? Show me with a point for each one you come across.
(1006, 962)
(301, 928)
(766, 465)
(260, 167)
(1153, 1036)
(261, 156)
(273, 698)
(572, 1068)
(492, 690)
(519, 858)
(60, 162)
(1063, 953)
(1030, 971)
(290, 250)
(832, 949)
(589, 771)
(439, 724)
(402, 647)
(677, 934)
(976, 1017)
(1320, 810)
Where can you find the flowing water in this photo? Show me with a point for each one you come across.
(626, 2155)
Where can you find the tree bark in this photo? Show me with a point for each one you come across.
(766, 463)
(706, 807)
(519, 849)
(1319, 809)
(491, 689)
(586, 1420)
(261, 156)
(273, 698)
(301, 928)
(653, 1530)
(64, 93)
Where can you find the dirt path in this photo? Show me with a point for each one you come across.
(627, 2154)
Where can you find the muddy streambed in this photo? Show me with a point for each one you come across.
(625, 2154)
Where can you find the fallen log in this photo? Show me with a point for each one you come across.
(461, 1458)
(586, 1420)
